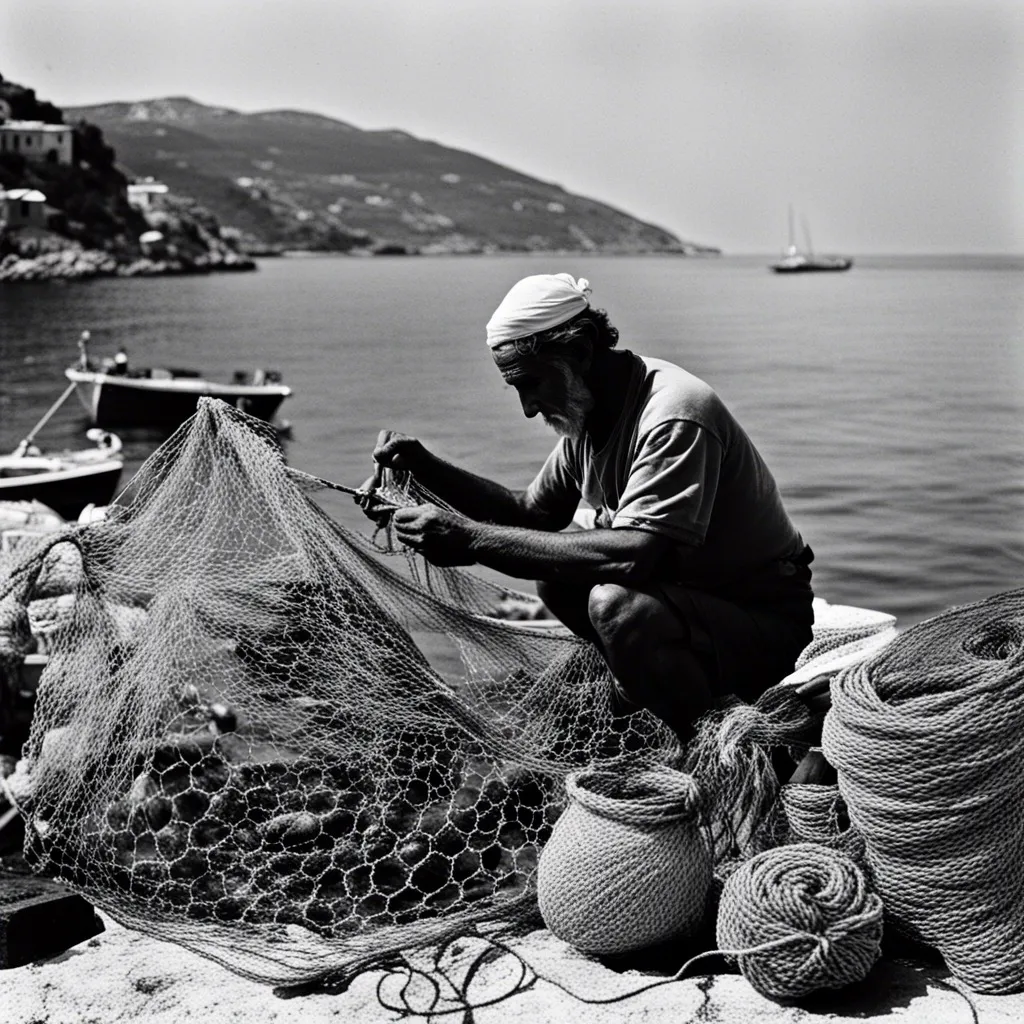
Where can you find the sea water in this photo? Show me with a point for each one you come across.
(888, 401)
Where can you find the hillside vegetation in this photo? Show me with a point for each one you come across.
(292, 180)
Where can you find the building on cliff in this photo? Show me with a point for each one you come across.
(147, 194)
(22, 208)
(37, 141)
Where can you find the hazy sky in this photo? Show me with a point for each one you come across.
(893, 125)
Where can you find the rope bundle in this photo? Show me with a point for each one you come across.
(811, 813)
(928, 740)
(627, 865)
(800, 918)
(731, 758)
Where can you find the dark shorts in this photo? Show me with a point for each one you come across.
(745, 649)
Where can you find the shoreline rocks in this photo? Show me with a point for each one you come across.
(86, 264)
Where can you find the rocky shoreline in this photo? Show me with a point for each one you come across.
(85, 264)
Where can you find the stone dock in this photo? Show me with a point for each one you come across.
(126, 976)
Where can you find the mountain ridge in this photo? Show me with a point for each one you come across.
(288, 178)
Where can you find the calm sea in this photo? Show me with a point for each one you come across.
(889, 401)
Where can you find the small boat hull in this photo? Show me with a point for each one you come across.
(811, 264)
(113, 401)
(65, 487)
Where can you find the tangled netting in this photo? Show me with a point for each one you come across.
(928, 739)
(732, 756)
(806, 917)
(260, 737)
(277, 742)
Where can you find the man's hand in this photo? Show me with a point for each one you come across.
(392, 451)
(396, 451)
(377, 513)
(440, 537)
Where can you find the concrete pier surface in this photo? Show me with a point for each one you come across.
(126, 976)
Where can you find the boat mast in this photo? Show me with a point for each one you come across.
(807, 235)
(791, 249)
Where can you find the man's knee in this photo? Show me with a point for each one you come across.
(636, 624)
(616, 613)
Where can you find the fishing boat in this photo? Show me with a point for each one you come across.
(807, 261)
(65, 481)
(115, 395)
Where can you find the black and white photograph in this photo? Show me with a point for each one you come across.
(512, 512)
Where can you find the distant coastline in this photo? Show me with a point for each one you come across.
(293, 181)
(289, 183)
(72, 264)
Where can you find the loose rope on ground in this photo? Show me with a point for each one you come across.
(453, 984)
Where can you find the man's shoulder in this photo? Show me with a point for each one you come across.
(675, 392)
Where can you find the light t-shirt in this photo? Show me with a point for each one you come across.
(678, 463)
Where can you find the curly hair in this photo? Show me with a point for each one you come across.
(590, 323)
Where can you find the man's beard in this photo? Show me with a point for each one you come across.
(571, 421)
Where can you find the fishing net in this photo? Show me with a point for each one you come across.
(299, 752)
(262, 737)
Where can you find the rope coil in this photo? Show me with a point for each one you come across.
(803, 919)
(628, 864)
(928, 740)
(657, 796)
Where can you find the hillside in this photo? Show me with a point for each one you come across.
(88, 227)
(287, 179)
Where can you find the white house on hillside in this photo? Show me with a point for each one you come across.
(37, 141)
(146, 195)
(23, 207)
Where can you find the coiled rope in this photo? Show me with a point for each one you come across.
(803, 918)
(811, 813)
(628, 864)
(928, 740)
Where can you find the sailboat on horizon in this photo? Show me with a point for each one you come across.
(797, 262)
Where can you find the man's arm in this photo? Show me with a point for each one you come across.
(627, 556)
(474, 496)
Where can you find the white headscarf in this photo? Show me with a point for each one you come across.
(535, 304)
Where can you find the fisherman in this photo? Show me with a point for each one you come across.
(695, 583)
(116, 367)
(84, 362)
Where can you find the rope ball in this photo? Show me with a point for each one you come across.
(800, 918)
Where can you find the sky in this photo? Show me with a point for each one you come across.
(891, 126)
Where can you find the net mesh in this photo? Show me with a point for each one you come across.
(299, 751)
(261, 738)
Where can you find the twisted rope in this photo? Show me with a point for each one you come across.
(628, 864)
(811, 813)
(802, 918)
(657, 796)
(928, 740)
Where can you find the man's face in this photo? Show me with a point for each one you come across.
(555, 389)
